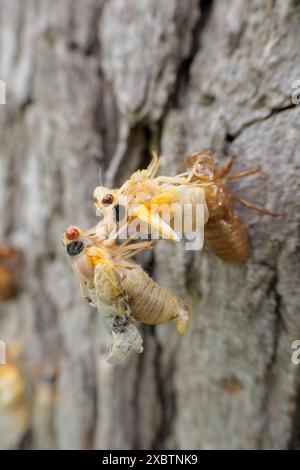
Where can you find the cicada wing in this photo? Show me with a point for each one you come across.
(168, 197)
(112, 304)
(124, 343)
(154, 222)
(107, 283)
(153, 165)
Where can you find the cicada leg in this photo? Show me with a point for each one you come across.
(251, 171)
(153, 165)
(226, 167)
(178, 179)
(253, 207)
(193, 173)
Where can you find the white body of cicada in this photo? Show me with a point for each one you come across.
(123, 293)
(101, 288)
(152, 207)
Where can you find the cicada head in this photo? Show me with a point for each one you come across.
(76, 241)
(104, 199)
(202, 166)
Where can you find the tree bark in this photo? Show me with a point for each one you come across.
(95, 83)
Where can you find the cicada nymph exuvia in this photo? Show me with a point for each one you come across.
(121, 290)
(224, 232)
(151, 206)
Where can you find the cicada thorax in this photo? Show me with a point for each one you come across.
(151, 303)
(83, 267)
(193, 207)
(110, 289)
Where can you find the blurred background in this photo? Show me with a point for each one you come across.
(100, 83)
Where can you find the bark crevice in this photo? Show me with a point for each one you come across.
(230, 137)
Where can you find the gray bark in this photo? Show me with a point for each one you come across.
(95, 83)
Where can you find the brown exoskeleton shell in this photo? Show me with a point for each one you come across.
(224, 232)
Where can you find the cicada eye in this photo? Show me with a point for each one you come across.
(75, 248)
(72, 233)
(108, 199)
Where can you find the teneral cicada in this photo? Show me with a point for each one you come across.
(121, 290)
(14, 406)
(154, 206)
(10, 262)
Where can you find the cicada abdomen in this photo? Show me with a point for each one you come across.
(149, 302)
(226, 235)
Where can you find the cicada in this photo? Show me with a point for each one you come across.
(121, 290)
(150, 205)
(10, 263)
(224, 232)
(14, 406)
(201, 184)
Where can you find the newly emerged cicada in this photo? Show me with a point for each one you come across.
(152, 206)
(10, 262)
(121, 290)
(14, 406)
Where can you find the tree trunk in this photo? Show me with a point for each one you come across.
(95, 83)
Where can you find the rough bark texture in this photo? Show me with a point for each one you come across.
(92, 83)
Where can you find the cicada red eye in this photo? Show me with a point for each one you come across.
(72, 233)
(108, 199)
